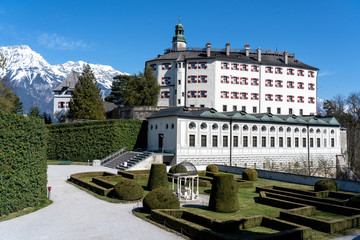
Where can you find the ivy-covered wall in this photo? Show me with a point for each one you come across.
(83, 141)
(23, 166)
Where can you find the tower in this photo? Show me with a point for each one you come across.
(179, 41)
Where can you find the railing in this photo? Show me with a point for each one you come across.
(236, 50)
(112, 156)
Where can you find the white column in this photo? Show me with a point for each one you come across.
(172, 188)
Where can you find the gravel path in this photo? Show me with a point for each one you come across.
(76, 214)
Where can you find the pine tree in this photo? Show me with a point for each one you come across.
(86, 101)
(118, 89)
(9, 101)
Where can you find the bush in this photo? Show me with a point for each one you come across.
(83, 141)
(212, 168)
(22, 162)
(250, 174)
(354, 202)
(158, 176)
(178, 168)
(223, 197)
(326, 184)
(160, 198)
(129, 190)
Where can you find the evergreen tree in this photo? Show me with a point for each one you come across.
(34, 111)
(86, 101)
(9, 101)
(118, 89)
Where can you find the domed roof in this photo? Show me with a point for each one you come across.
(185, 169)
(179, 26)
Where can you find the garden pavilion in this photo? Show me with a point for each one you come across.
(187, 178)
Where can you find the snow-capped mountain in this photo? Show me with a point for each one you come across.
(33, 78)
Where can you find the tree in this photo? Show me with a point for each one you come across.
(9, 101)
(118, 89)
(142, 90)
(34, 111)
(86, 101)
(47, 117)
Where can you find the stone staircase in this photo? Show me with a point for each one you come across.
(127, 160)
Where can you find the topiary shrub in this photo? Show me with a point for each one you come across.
(212, 168)
(160, 198)
(223, 197)
(250, 174)
(326, 184)
(158, 176)
(129, 190)
(353, 202)
(178, 168)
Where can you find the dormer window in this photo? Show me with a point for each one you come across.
(255, 81)
(301, 73)
(290, 71)
(290, 98)
(290, 84)
(254, 68)
(278, 70)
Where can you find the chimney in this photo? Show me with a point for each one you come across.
(208, 51)
(227, 46)
(247, 49)
(259, 54)
(286, 60)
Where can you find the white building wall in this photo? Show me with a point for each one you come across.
(61, 100)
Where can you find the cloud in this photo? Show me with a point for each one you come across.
(325, 73)
(54, 41)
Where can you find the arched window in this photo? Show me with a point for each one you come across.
(203, 126)
(263, 128)
(236, 127)
(288, 129)
(281, 129)
(245, 128)
(225, 127)
(296, 130)
(254, 128)
(192, 125)
(303, 130)
(272, 129)
(215, 126)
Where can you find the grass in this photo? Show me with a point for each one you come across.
(327, 216)
(25, 211)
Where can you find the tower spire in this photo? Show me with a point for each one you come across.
(179, 41)
(179, 19)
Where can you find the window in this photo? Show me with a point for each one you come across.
(224, 94)
(234, 108)
(300, 73)
(288, 142)
(254, 141)
(301, 112)
(278, 111)
(243, 81)
(245, 141)
(268, 70)
(203, 140)
(254, 96)
(243, 95)
(278, 70)
(215, 126)
(236, 127)
(268, 109)
(243, 108)
(296, 142)
(255, 81)
(192, 125)
(268, 97)
(290, 71)
(263, 141)
(243, 67)
(311, 100)
(325, 142)
(234, 95)
(224, 108)
(202, 105)
(300, 99)
(290, 84)
(254, 68)
(166, 66)
(202, 94)
(290, 111)
(254, 109)
(332, 142)
(214, 140)
(311, 74)
(300, 85)
(67, 104)
(235, 66)
(61, 104)
(290, 98)
(311, 142)
(278, 98)
(225, 127)
(202, 79)
(235, 80)
(192, 140)
(225, 141)
(272, 142)
(192, 65)
(281, 142)
(192, 105)
(311, 86)
(224, 79)
(268, 83)
(166, 94)
(236, 141)
(224, 65)
(254, 128)
(203, 65)
(245, 128)
(192, 94)
(318, 142)
(278, 83)
(304, 142)
(203, 126)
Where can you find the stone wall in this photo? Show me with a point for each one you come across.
(139, 112)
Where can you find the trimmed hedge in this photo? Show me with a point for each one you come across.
(83, 141)
(354, 202)
(223, 197)
(99, 189)
(160, 198)
(22, 162)
(212, 168)
(158, 176)
(135, 174)
(129, 190)
(326, 184)
(250, 174)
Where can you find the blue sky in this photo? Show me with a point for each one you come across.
(124, 34)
